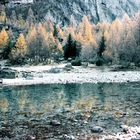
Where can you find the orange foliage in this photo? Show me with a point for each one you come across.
(20, 48)
(3, 38)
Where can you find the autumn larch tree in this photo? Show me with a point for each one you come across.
(2, 14)
(4, 47)
(18, 53)
(3, 38)
(38, 44)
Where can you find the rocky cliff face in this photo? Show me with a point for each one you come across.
(97, 10)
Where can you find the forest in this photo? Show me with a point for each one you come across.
(28, 41)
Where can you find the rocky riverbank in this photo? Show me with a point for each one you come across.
(62, 126)
(65, 73)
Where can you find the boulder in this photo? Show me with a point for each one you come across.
(68, 67)
(54, 70)
(55, 123)
(85, 64)
(97, 129)
(8, 73)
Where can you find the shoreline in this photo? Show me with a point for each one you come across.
(41, 75)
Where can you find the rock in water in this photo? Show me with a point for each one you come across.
(125, 128)
(97, 129)
(55, 123)
(31, 138)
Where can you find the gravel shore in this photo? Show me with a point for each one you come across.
(59, 74)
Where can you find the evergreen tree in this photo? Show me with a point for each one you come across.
(55, 32)
(7, 50)
(100, 51)
(71, 48)
(102, 47)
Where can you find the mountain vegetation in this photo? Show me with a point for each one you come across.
(26, 40)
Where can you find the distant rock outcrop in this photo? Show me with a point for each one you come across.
(62, 11)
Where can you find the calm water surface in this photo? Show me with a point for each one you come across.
(107, 105)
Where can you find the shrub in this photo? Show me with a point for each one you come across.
(76, 62)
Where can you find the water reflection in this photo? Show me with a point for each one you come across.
(99, 99)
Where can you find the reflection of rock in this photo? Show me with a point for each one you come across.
(97, 129)
(8, 73)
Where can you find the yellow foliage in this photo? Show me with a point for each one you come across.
(71, 31)
(60, 46)
(20, 47)
(60, 33)
(3, 38)
(41, 29)
(2, 16)
(117, 26)
(21, 43)
(32, 34)
(51, 40)
(86, 30)
(106, 35)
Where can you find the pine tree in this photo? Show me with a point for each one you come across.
(55, 32)
(100, 51)
(102, 47)
(7, 50)
(70, 49)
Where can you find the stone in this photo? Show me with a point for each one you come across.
(85, 64)
(31, 138)
(97, 129)
(54, 70)
(55, 123)
(8, 73)
(68, 67)
(71, 137)
(125, 128)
